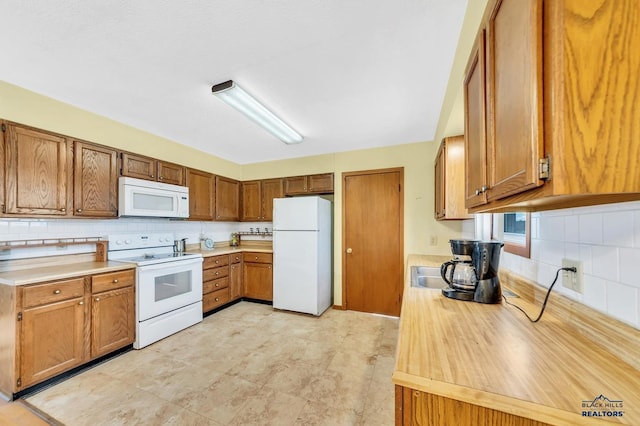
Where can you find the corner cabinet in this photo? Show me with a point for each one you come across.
(257, 275)
(449, 180)
(257, 199)
(555, 128)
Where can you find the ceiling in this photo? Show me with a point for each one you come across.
(346, 74)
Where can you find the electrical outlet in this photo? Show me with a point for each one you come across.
(433, 240)
(572, 280)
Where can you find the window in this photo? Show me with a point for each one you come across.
(514, 229)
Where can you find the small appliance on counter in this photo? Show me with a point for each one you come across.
(472, 274)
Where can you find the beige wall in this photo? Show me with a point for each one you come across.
(26, 107)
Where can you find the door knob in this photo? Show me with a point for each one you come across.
(349, 250)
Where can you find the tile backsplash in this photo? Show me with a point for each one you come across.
(30, 229)
(605, 238)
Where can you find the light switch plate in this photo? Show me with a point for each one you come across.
(571, 280)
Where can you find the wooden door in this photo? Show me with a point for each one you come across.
(38, 172)
(514, 96)
(373, 241)
(170, 173)
(112, 320)
(227, 199)
(138, 166)
(95, 186)
(251, 201)
(271, 188)
(475, 132)
(52, 340)
(201, 194)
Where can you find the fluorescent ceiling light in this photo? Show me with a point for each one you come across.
(232, 94)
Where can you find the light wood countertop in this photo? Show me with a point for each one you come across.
(9, 275)
(226, 249)
(492, 356)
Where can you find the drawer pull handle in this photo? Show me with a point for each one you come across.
(217, 299)
(115, 281)
(56, 292)
(256, 257)
(80, 303)
(217, 285)
(79, 210)
(217, 261)
(217, 273)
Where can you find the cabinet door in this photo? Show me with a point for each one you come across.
(137, 166)
(201, 194)
(112, 320)
(295, 185)
(227, 199)
(52, 340)
(235, 280)
(440, 182)
(38, 172)
(251, 201)
(514, 96)
(271, 188)
(257, 279)
(475, 135)
(170, 173)
(321, 184)
(95, 186)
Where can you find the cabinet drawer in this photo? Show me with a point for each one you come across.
(257, 257)
(235, 258)
(215, 273)
(215, 261)
(214, 299)
(41, 294)
(112, 280)
(209, 286)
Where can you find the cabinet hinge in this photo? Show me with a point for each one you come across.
(19, 316)
(544, 168)
(19, 382)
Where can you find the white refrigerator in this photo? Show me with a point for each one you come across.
(302, 273)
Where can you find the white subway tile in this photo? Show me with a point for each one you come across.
(622, 302)
(552, 228)
(636, 229)
(571, 229)
(590, 228)
(605, 262)
(595, 292)
(617, 229)
(629, 262)
(552, 252)
(586, 258)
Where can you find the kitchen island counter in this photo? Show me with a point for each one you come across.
(492, 357)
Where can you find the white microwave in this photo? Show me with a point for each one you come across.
(137, 197)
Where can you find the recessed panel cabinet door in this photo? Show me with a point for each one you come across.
(514, 96)
(201, 194)
(251, 201)
(95, 181)
(271, 188)
(227, 199)
(112, 320)
(38, 179)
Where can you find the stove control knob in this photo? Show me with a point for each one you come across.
(118, 242)
(127, 241)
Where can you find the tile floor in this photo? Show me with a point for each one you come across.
(245, 365)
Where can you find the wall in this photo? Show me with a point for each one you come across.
(605, 238)
(26, 107)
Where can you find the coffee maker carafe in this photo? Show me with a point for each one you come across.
(472, 275)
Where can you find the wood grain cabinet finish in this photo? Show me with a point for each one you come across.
(257, 275)
(449, 180)
(38, 172)
(112, 312)
(560, 120)
(311, 184)
(415, 408)
(227, 199)
(257, 199)
(215, 282)
(95, 185)
(235, 280)
(141, 167)
(201, 194)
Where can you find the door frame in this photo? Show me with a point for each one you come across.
(345, 175)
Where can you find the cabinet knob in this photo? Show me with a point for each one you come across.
(56, 292)
(217, 261)
(256, 257)
(81, 303)
(217, 299)
(160, 178)
(63, 210)
(484, 188)
(115, 281)
(217, 273)
(79, 210)
(152, 176)
(269, 266)
(478, 192)
(217, 285)
(97, 299)
(349, 250)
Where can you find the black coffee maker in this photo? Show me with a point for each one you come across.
(473, 273)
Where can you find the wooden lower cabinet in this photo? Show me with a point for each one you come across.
(55, 326)
(235, 278)
(416, 408)
(257, 275)
(215, 282)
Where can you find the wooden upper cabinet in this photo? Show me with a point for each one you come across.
(95, 185)
(201, 194)
(449, 180)
(257, 199)
(311, 184)
(227, 199)
(514, 96)
(141, 167)
(38, 171)
(251, 201)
